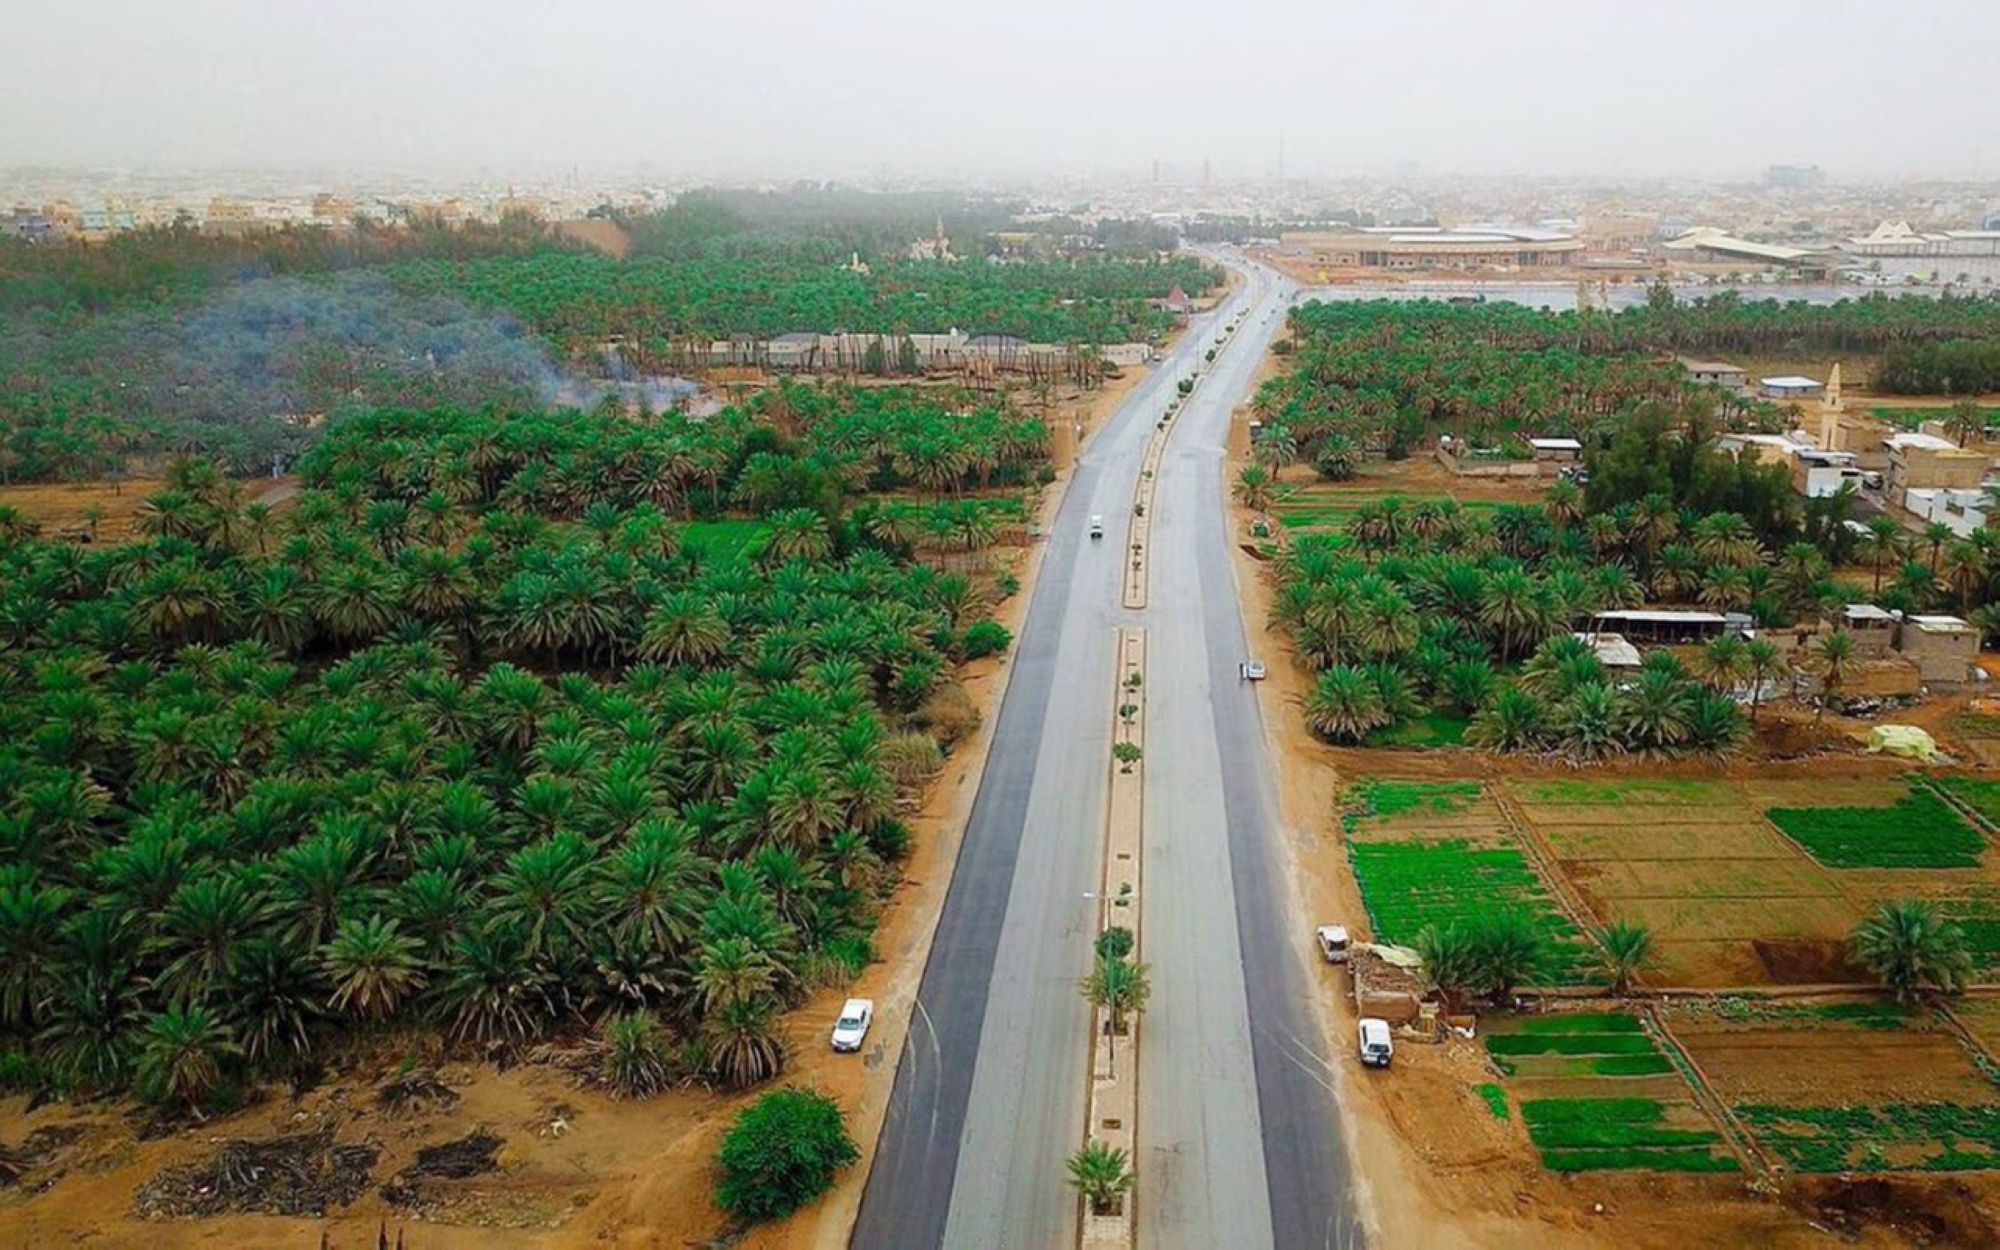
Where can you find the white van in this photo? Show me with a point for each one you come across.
(1096, 526)
(1376, 1048)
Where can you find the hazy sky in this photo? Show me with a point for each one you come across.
(798, 87)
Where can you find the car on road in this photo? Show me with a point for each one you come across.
(1333, 942)
(1096, 527)
(1254, 670)
(852, 1027)
(1376, 1048)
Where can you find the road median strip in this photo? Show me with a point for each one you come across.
(1112, 1121)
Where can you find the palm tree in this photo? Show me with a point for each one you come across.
(1724, 663)
(1762, 662)
(1909, 946)
(1628, 950)
(1882, 543)
(1564, 505)
(1254, 488)
(797, 534)
(1655, 709)
(373, 968)
(1965, 421)
(742, 1042)
(1512, 720)
(634, 1062)
(1835, 662)
(1117, 986)
(1101, 1175)
(1936, 534)
(184, 1056)
(1512, 607)
(1345, 704)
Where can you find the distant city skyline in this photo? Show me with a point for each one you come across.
(1865, 90)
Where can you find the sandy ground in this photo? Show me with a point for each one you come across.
(58, 507)
(577, 1167)
(1438, 1169)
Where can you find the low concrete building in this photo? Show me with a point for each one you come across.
(1873, 628)
(1927, 461)
(1664, 626)
(1944, 648)
(1790, 386)
(1717, 373)
(1433, 247)
(1556, 450)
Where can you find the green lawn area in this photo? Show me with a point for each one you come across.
(1432, 729)
(1409, 885)
(1331, 508)
(1920, 830)
(724, 540)
(1978, 916)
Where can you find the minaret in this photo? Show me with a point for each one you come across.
(1830, 432)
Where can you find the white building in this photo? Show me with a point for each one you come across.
(1790, 386)
(1962, 511)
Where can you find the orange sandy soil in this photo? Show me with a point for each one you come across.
(61, 506)
(1433, 1166)
(577, 1167)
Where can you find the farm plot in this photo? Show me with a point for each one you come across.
(1847, 1087)
(1597, 1093)
(1439, 853)
(1728, 899)
(1917, 830)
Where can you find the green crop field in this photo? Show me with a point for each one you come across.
(1657, 790)
(1409, 885)
(1578, 1044)
(1920, 830)
(1379, 797)
(1597, 1134)
(1899, 1136)
(1982, 797)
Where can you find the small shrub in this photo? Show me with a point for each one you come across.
(984, 638)
(912, 758)
(1115, 942)
(782, 1152)
(1127, 754)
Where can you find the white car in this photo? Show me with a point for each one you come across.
(1376, 1048)
(1096, 526)
(1253, 670)
(1333, 942)
(852, 1027)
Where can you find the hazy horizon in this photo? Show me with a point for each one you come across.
(1700, 89)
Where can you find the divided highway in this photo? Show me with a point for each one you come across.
(1238, 1143)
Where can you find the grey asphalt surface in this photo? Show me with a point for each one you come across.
(1238, 1145)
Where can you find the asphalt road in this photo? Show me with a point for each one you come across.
(1237, 1141)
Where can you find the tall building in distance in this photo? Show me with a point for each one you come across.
(1794, 177)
